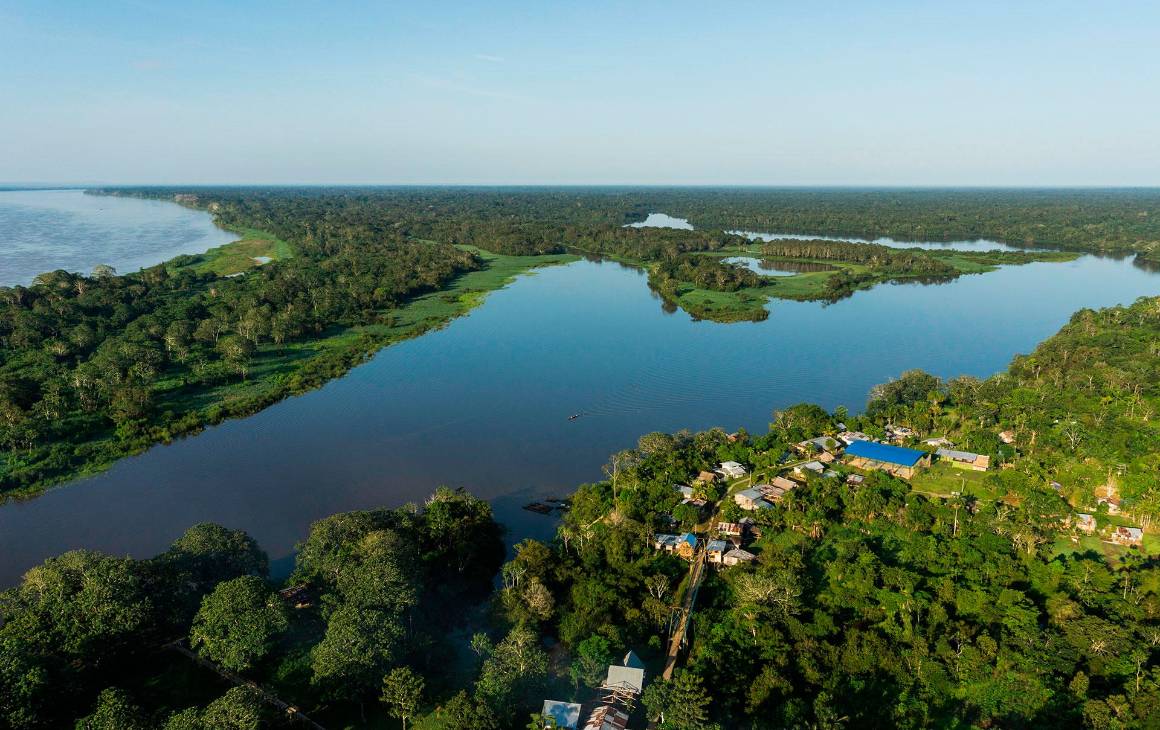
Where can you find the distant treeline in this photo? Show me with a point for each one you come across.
(882, 259)
(1111, 220)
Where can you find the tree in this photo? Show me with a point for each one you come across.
(208, 554)
(593, 655)
(358, 648)
(237, 623)
(403, 693)
(460, 713)
(512, 672)
(236, 351)
(240, 708)
(114, 711)
(681, 704)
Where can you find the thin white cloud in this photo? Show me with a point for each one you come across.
(489, 58)
(438, 82)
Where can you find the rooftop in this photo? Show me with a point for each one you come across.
(566, 714)
(885, 453)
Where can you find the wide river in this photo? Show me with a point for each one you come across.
(45, 230)
(484, 402)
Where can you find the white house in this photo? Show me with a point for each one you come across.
(737, 555)
(731, 470)
(750, 499)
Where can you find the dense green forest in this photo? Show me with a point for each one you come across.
(99, 639)
(93, 368)
(1103, 220)
(883, 603)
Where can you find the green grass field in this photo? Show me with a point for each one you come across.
(941, 479)
(253, 249)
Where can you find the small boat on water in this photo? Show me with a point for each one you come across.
(573, 417)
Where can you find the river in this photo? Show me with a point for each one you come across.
(484, 402)
(46, 230)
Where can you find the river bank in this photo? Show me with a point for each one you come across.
(275, 371)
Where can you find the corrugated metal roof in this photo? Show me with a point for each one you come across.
(620, 676)
(566, 714)
(885, 453)
(956, 455)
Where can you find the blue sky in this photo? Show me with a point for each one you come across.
(820, 93)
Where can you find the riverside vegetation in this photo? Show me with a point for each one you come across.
(877, 604)
(94, 368)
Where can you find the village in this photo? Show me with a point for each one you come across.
(718, 510)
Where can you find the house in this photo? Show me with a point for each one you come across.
(686, 546)
(731, 470)
(770, 494)
(899, 433)
(737, 555)
(774, 491)
(749, 525)
(815, 466)
(750, 499)
(1007, 437)
(849, 437)
(1128, 536)
(628, 676)
(1085, 523)
(700, 504)
(566, 715)
(826, 457)
(607, 717)
(715, 550)
(939, 442)
(817, 445)
(855, 479)
(783, 483)
(668, 543)
(1113, 504)
(686, 492)
(896, 460)
(729, 529)
(707, 477)
(965, 459)
(296, 596)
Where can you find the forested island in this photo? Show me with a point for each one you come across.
(97, 367)
(1003, 585)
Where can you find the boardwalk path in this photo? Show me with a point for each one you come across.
(696, 573)
(292, 712)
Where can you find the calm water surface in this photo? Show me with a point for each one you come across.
(664, 220)
(45, 230)
(484, 403)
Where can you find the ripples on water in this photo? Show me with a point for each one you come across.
(45, 230)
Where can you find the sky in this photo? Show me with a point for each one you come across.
(732, 93)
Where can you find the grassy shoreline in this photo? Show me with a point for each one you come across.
(749, 304)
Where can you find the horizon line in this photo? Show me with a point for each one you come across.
(59, 185)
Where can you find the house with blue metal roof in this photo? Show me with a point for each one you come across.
(896, 460)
